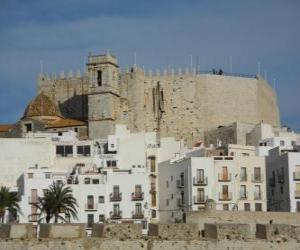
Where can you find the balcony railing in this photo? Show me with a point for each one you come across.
(91, 206)
(200, 181)
(115, 196)
(257, 178)
(33, 199)
(137, 196)
(225, 196)
(243, 177)
(243, 195)
(180, 184)
(115, 215)
(257, 195)
(200, 199)
(180, 202)
(296, 176)
(137, 215)
(224, 177)
(33, 218)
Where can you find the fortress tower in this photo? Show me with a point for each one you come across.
(103, 94)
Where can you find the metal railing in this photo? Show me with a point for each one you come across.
(137, 196)
(115, 196)
(225, 196)
(200, 181)
(224, 177)
(137, 215)
(115, 215)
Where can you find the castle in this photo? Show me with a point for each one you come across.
(182, 104)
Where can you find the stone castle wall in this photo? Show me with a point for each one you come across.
(184, 105)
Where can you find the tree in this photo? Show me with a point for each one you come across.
(57, 199)
(8, 202)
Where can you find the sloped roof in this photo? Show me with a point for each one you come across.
(5, 127)
(65, 122)
(41, 105)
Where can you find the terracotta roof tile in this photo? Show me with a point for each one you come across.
(64, 122)
(5, 127)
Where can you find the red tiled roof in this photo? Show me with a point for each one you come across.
(5, 127)
(64, 122)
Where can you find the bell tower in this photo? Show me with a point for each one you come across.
(104, 96)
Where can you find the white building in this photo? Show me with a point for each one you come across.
(234, 178)
(112, 180)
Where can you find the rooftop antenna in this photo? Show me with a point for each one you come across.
(42, 66)
(230, 64)
(258, 68)
(191, 62)
(134, 58)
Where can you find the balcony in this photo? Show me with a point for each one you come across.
(200, 181)
(33, 218)
(296, 176)
(257, 196)
(152, 189)
(33, 199)
(200, 199)
(243, 195)
(91, 207)
(137, 196)
(224, 177)
(243, 177)
(180, 184)
(257, 178)
(115, 215)
(137, 215)
(115, 196)
(180, 202)
(225, 196)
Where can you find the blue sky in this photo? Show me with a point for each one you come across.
(162, 33)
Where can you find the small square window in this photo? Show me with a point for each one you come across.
(87, 180)
(30, 175)
(101, 217)
(101, 199)
(47, 175)
(95, 181)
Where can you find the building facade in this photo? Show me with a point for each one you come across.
(234, 178)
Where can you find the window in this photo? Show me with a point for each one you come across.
(47, 175)
(152, 164)
(200, 195)
(116, 191)
(28, 127)
(182, 179)
(90, 220)
(138, 189)
(90, 202)
(257, 174)
(111, 164)
(281, 189)
(101, 199)
(138, 208)
(258, 207)
(64, 150)
(224, 175)
(153, 213)
(84, 150)
(182, 197)
(68, 218)
(87, 180)
(95, 181)
(172, 196)
(281, 143)
(257, 192)
(200, 175)
(171, 177)
(76, 130)
(243, 176)
(59, 133)
(101, 217)
(225, 207)
(30, 175)
(167, 184)
(247, 206)
(99, 78)
(243, 192)
(116, 209)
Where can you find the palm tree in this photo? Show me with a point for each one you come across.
(8, 202)
(57, 199)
